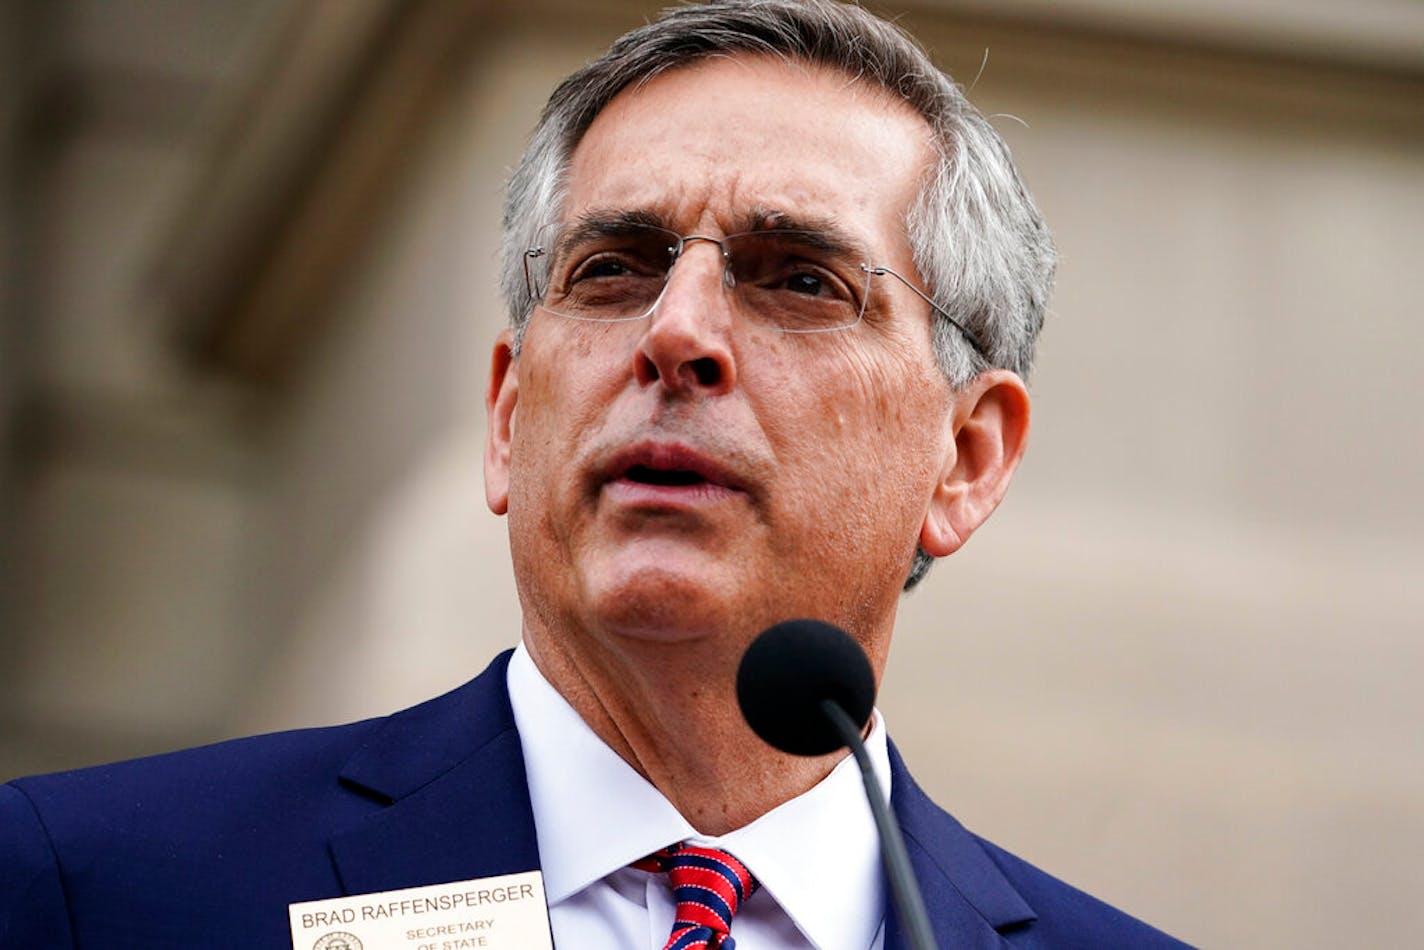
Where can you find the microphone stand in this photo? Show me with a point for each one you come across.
(903, 889)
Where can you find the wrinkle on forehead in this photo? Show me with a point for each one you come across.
(710, 145)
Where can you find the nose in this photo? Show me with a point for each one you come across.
(687, 346)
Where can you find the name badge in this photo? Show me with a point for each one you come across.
(492, 913)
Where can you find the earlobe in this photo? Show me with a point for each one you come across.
(500, 400)
(989, 425)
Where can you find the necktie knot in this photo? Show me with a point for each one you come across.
(708, 886)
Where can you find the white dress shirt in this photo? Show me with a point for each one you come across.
(817, 856)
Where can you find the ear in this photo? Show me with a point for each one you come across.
(989, 426)
(500, 398)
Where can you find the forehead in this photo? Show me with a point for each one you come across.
(706, 146)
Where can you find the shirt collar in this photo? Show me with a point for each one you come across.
(608, 816)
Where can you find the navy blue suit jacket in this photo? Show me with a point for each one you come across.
(207, 847)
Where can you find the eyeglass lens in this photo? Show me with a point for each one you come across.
(793, 280)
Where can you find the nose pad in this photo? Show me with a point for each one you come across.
(729, 280)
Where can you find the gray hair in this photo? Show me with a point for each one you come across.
(978, 241)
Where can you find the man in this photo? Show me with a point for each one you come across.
(774, 288)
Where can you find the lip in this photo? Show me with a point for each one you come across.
(629, 476)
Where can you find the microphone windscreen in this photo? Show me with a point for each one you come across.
(786, 674)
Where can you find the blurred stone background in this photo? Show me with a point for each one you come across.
(248, 257)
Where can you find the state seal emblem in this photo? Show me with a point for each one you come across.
(337, 940)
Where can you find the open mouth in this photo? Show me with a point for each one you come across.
(657, 474)
(676, 478)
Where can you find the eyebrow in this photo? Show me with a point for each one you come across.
(766, 219)
(594, 225)
(822, 232)
(598, 223)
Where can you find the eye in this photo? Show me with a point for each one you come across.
(790, 264)
(604, 265)
(809, 279)
(806, 283)
(618, 262)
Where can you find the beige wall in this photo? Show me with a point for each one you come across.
(1176, 668)
(123, 626)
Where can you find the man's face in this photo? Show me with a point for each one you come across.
(805, 462)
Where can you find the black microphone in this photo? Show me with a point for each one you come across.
(806, 688)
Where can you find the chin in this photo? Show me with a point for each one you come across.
(659, 603)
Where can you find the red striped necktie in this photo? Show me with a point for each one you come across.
(708, 885)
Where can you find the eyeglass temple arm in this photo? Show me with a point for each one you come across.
(880, 271)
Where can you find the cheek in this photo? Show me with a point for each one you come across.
(567, 378)
(554, 406)
(891, 417)
(886, 404)
(860, 437)
(571, 378)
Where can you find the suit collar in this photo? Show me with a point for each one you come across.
(452, 773)
(967, 897)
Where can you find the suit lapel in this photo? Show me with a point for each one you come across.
(452, 771)
(967, 897)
